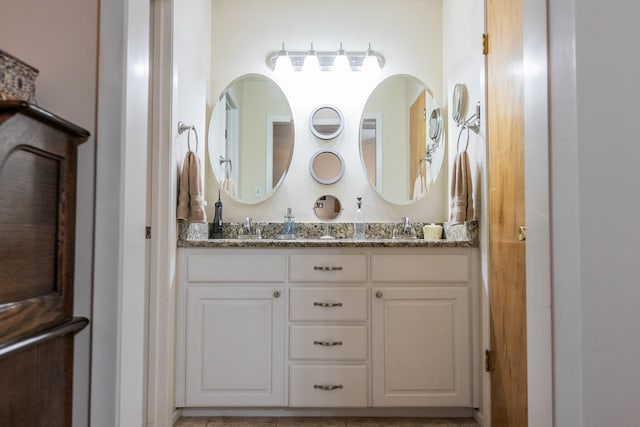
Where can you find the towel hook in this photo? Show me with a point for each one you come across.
(182, 128)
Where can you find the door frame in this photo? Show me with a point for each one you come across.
(537, 214)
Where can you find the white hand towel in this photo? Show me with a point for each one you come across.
(229, 186)
(461, 194)
(419, 187)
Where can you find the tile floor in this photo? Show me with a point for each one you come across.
(324, 422)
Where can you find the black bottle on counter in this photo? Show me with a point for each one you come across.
(215, 231)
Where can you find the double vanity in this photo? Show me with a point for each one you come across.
(344, 323)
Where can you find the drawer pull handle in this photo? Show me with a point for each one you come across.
(321, 268)
(276, 294)
(327, 343)
(327, 304)
(327, 387)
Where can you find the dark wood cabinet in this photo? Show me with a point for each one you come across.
(38, 152)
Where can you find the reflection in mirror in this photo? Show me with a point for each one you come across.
(251, 137)
(326, 166)
(326, 122)
(327, 208)
(401, 151)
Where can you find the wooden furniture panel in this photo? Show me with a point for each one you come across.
(37, 229)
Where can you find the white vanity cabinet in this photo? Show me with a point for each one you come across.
(328, 330)
(421, 330)
(234, 330)
(327, 327)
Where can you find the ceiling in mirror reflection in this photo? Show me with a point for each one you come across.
(251, 138)
(401, 150)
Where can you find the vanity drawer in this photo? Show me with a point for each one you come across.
(328, 304)
(327, 342)
(226, 268)
(327, 268)
(328, 386)
(446, 268)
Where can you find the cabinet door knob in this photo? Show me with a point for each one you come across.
(276, 294)
(378, 294)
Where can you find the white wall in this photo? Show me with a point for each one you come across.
(408, 33)
(60, 39)
(594, 152)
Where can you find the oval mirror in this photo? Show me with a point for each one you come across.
(251, 138)
(401, 151)
(457, 103)
(327, 208)
(326, 166)
(326, 122)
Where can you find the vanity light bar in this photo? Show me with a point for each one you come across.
(325, 58)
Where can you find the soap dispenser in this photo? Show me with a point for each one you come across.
(359, 223)
(289, 225)
(216, 229)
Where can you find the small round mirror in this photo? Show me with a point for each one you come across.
(326, 166)
(326, 122)
(457, 102)
(435, 125)
(327, 208)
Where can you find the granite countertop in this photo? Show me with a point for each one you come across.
(307, 236)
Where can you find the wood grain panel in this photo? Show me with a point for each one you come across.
(37, 236)
(37, 218)
(36, 385)
(417, 139)
(505, 136)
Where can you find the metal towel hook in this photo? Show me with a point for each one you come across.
(182, 128)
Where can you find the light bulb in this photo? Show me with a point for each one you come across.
(311, 62)
(341, 62)
(370, 63)
(283, 63)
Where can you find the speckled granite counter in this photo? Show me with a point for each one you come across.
(307, 235)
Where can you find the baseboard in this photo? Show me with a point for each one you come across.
(477, 415)
(330, 412)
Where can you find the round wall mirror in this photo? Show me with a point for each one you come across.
(326, 122)
(326, 166)
(458, 102)
(435, 124)
(251, 138)
(327, 208)
(401, 152)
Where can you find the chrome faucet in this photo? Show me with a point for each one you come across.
(247, 225)
(407, 229)
(407, 226)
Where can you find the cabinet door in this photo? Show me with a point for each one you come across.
(421, 347)
(235, 346)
